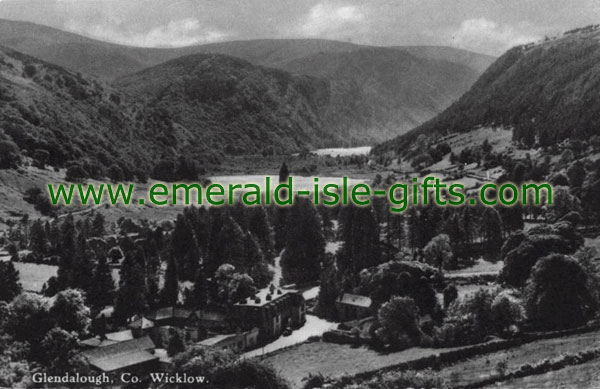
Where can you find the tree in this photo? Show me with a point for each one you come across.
(59, 350)
(98, 229)
(438, 252)
(82, 272)
(184, 248)
(66, 249)
(491, 230)
(576, 173)
(9, 155)
(450, 295)
(176, 344)
(29, 320)
(399, 318)
(76, 173)
(557, 294)
(103, 285)
(115, 173)
(201, 286)
(506, 311)
(38, 240)
(254, 262)
(259, 226)
(223, 369)
(69, 311)
(360, 239)
(40, 156)
(170, 291)
(131, 297)
(231, 286)
(301, 260)
(284, 173)
(10, 287)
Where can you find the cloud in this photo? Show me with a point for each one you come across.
(177, 33)
(486, 36)
(327, 20)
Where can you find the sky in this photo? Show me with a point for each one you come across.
(485, 26)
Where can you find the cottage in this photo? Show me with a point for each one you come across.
(353, 306)
(134, 356)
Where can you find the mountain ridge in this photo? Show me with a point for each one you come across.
(545, 92)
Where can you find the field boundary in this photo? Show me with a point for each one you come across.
(436, 361)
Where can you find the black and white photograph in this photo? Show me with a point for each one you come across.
(300, 194)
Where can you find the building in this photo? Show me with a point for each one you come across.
(141, 326)
(134, 356)
(239, 341)
(353, 306)
(107, 340)
(272, 312)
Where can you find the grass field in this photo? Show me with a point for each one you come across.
(33, 276)
(336, 360)
(481, 267)
(586, 375)
(482, 367)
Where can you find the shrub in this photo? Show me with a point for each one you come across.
(557, 295)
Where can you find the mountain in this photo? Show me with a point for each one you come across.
(353, 95)
(69, 117)
(377, 93)
(475, 61)
(109, 61)
(545, 93)
(218, 102)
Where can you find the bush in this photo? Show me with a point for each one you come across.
(557, 294)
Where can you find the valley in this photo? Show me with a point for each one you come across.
(305, 296)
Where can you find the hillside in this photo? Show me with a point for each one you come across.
(199, 107)
(475, 61)
(385, 92)
(545, 92)
(224, 103)
(107, 60)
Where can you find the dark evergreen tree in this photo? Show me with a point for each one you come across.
(9, 281)
(491, 230)
(38, 241)
(82, 273)
(260, 227)
(254, 262)
(131, 297)
(201, 289)
(284, 173)
(301, 260)
(103, 286)
(67, 252)
(361, 247)
(170, 291)
(97, 228)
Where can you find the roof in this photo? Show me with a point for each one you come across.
(216, 339)
(262, 296)
(120, 336)
(122, 361)
(211, 315)
(141, 323)
(355, 300)
(120, 355)
(97, 342)
(170, 312)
